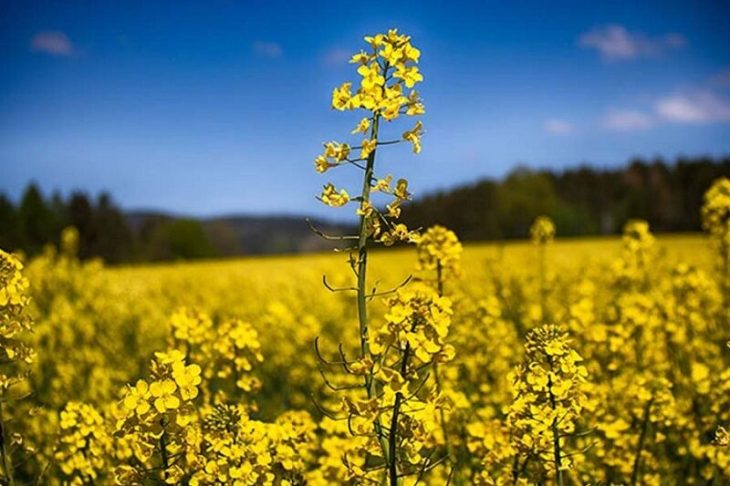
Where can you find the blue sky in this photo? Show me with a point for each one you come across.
(219, 106)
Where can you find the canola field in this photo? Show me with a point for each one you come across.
(642, 377)
(402, 359)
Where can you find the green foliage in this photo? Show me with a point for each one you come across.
(37, 221)
(187, 239)
(581, 201)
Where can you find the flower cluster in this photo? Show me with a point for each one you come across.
(390, 57)
(548, 398)
(343, 457)
(15, 354)
(229, 350)
(638, 253)
(388, 73)
(417, 319)
(636, 237)
(155, 415)
(439, 250)
(237, 450)
(85, 446)
(411, 339)
(716, 210)
(232, 450)
(542, 230)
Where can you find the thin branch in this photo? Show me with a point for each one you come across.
(344, 361)
(418, 388)
(354, 162)
(336, 289)
(336, 388)
(321, 358)
(391, 142)
(323, 411)
(318, 232)
(391, 291)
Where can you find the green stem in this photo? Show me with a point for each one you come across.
(556, 433)
(392, 444)
(640, 447)
(362, 290)
(362, 249)
(7, 461)
(163, 451)
(393, 435)
(449, 448)
(543, 287)
(517, 470)
(440, 278)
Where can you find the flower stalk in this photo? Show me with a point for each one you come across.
(387, 71)
(7, 460)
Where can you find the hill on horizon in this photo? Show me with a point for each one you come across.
(582, 201)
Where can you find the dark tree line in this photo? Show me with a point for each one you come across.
(582, 200)
(104, 230)
(37, 221)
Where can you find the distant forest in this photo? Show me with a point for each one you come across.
(582, 201)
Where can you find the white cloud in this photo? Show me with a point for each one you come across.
(55, 43)
(336, 57)
(559, 127)
(268, 49)
(698, 107)
(616, 43)
(627, 120)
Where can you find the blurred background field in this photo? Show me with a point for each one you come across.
(575, 252)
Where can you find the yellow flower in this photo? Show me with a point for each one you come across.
(332, 198)
(187, 379)
(414, 136)
(362, 366)
(383, 185)
(391, 54)
(722, 437)
(410, 75)
(414, 105)
(137, 398)
(410, 53)
(363, 126)
(341, 97)
(366, 209)
(371, 76)
(393, 209)
(401, 189)
(321, 164)
(716, 209)
(337, 151)
(393, 380)
(163, 393)
(361, 58)
(555, 347)
(375, 41)
(367, 148)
